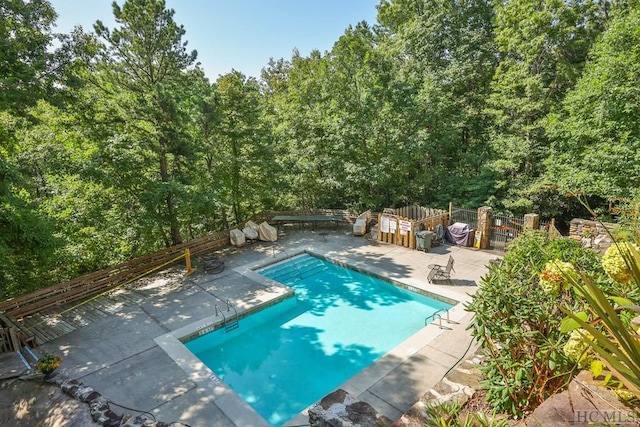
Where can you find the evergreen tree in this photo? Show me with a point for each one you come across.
(142, 70)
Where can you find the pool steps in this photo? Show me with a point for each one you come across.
(230, 323)
(297, 269)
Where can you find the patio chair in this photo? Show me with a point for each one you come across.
(439, 272)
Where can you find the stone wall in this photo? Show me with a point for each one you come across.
(592, 234)
(99, 408)
(340, 409)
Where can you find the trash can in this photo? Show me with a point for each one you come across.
(423, 240)
(428, 237)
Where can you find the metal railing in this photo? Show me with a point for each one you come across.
(230, 323)
(438, 316)
(467, 216)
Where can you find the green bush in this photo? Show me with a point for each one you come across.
(609, 323)
(517, 322)
(449, 414)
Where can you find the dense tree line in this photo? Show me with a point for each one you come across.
(115, 144)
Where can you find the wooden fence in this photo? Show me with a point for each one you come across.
(414, 212)
(82, 288)
(14, 335)
(88, 285)
(398, 226)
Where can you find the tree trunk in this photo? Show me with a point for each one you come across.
(174, 226)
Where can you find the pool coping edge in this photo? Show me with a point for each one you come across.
(236, 408)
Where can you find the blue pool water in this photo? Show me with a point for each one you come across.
(288, 356)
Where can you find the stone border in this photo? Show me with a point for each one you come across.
(232, 404)
(99, 408)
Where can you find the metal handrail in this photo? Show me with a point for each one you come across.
(233, 320)
(440, 321)
(433, 316)
(230, 306)
(439, 318)
(224, 318)
(290, 259)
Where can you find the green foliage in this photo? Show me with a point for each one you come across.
(144, 65)
(48, 363)
(239, 157)
(612, 336)
(543, 48)
(25, 57)
(357, 117)
(624, 233)
(449, 414)
(475, 102)
(297, 100)
(517, 323)
(29, 68)
(26, 243)
(596, 135)
(442, 50)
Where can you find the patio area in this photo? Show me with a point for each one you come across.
(133, 354)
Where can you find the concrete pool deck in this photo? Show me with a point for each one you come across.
(135, 358)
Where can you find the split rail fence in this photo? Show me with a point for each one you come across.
(14, 334)
(99, 281)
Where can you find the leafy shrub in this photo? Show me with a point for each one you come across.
(622, 234)
(448, 414)
(556, 275)
(615, 264)
(517, 322)
(611, 321)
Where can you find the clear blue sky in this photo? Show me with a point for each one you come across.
(240, 34)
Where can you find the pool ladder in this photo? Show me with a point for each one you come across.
(294, 264)
(438, 316)
(231, 322)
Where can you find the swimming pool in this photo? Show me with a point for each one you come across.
(284, 358)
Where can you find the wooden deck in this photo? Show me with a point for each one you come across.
(49, 326)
